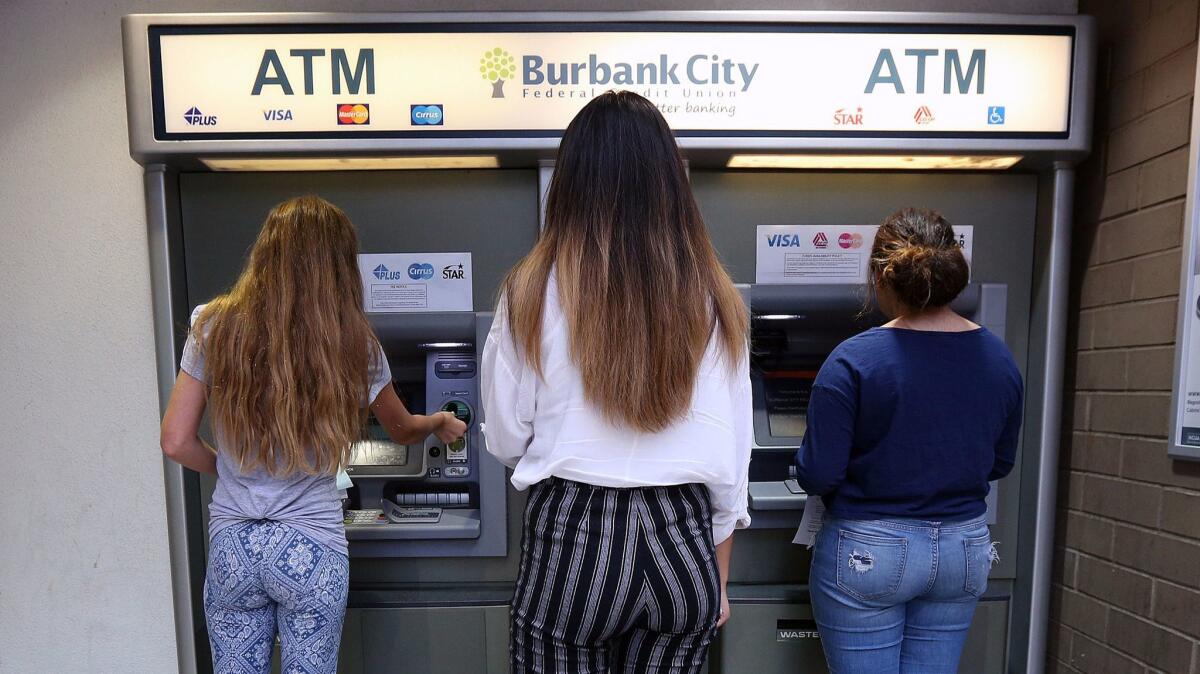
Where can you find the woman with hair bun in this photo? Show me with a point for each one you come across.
(907, 425)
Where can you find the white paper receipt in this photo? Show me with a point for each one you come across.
(810, 522)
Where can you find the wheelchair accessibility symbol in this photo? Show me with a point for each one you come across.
(995, 114)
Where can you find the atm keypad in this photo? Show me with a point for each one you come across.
(369, 516)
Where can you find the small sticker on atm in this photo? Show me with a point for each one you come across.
(353, 113)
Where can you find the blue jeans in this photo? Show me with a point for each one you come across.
(265, 577)
(897, 595)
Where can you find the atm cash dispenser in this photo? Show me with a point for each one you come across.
(793, 330)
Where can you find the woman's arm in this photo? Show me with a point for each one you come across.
(730, 505)
(724, 555)
(405, 428)
(1010, 436)
(824, 454)
(508, 388)
(179, 436)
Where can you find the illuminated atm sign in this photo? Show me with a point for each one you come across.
(763, 80)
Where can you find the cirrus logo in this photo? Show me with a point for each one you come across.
(426, 115)
(420, 271)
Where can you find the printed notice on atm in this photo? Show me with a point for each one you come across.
(415, 282)
(823, 254)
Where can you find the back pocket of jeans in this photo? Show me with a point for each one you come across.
(870, 567)
(978, 552)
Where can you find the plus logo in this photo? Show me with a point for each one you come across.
(384, 274)
(196, 118)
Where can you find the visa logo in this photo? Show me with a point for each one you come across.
(783, 241)
(277, 115)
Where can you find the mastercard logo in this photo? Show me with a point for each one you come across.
(354, 113)
(848, 240)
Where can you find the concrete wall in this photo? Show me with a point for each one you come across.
(84, 578)
(1126, 596)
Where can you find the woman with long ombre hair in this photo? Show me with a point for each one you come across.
(287, 365)
(616, 384)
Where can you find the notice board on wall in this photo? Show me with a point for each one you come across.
(1184, 439)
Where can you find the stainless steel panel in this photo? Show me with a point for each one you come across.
(168, 295)
(1054, 334)
(434, 639)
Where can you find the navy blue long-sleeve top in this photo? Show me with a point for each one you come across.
(911, 423)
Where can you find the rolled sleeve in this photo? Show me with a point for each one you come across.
(380, 376)
(508, 388)
(192, 360)
(730, 501)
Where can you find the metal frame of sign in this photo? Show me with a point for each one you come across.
(1189, 303)
(149, 139)
(155, 33)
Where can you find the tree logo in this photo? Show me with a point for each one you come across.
(496, 66)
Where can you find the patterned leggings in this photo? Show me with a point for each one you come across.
(264, 575)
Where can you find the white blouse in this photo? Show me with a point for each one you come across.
(543, 427)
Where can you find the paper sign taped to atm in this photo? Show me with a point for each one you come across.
(823, 254)
(414, 282)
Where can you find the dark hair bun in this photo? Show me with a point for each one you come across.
(917, 257)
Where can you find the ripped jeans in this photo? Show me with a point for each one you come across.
(897, 595)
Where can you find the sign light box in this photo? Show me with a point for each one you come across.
(392, 80)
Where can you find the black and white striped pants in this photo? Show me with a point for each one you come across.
(615, 580)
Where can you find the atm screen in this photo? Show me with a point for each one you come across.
(786, 400)
(378, 453)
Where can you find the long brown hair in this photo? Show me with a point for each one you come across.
(638, 279)
(288, 349)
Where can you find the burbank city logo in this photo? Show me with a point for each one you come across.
(496, 66)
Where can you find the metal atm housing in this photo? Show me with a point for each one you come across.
(421, 589)
(794, 327)
(435, 499)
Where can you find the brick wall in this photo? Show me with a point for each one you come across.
(1126, 594)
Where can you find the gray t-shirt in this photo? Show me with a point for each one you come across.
(308, 503)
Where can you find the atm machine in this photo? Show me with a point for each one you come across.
(795, 327)
(230, 114)
(434, 498)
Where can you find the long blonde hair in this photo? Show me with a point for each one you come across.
(288, 349)
(639, 281)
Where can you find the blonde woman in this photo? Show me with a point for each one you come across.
(616, 384)
(286, 365)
